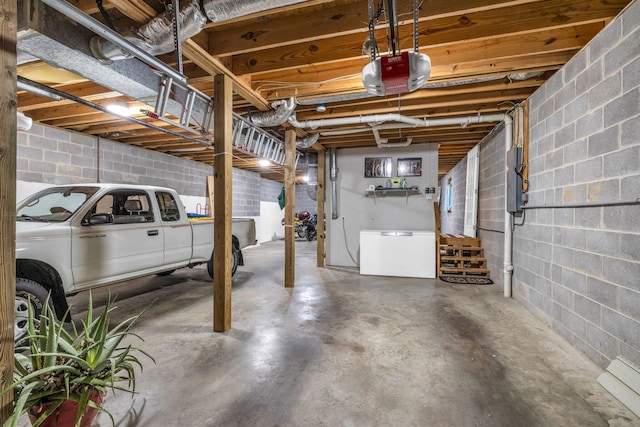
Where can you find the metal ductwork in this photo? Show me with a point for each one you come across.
(223, 10)
(47, 34)
(50, 35)
(156, 36)
(308, 141)
(281, 112)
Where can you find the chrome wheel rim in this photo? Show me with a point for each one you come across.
(21, 313)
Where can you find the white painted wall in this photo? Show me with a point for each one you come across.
(195, 204)
(357, 212)
(269, 225)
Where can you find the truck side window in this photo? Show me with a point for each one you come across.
(168, 207)
(126, 207)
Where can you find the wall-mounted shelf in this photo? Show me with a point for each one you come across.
(393, 192)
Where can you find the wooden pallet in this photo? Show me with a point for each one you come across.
(458, 255)
(461, 256)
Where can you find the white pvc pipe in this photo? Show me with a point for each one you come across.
(374, 119)
(334, 184)
(508, 232)
(344, 132)
(384, 142)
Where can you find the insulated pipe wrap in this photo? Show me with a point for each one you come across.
(307, 141)
(156, 36)
(280, 114)
(223, 10)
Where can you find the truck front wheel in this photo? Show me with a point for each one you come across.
(27, 292)
(235, 259)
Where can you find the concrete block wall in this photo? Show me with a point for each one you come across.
(490, 225)
(578, 269)
(51, 156)
(246, 192)
(54, 156)
(304, 202)
(270, 190)
(490, 228)
(453, 222)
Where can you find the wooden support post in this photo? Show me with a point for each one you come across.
(222, 167)
(289, 208)
(8, 24)
(320, 226)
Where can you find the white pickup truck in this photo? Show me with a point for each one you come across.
(76, 237)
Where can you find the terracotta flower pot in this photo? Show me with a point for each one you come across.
(65, 415)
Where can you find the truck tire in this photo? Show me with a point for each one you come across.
(27, 291)
(235, 258)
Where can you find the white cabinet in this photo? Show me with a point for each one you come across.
(403, 253)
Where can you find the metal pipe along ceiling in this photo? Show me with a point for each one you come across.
(98, 107)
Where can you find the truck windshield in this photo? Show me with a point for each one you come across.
(54, 204)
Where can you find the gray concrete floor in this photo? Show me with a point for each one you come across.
(341, 349)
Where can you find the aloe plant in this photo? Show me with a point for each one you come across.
(55, 365)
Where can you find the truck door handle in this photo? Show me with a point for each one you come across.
(153, 232)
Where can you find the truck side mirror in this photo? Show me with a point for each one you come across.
(96, 219)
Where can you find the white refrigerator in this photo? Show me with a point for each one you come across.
(403, 253)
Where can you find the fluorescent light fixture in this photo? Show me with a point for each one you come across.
(264, 163)
(119, 109)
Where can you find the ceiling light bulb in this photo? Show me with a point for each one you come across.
(264, 163)
(119, 109)
(321, 108)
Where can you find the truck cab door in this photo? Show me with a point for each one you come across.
(118, 238)
(178, 239)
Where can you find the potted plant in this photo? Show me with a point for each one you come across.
(60, 377)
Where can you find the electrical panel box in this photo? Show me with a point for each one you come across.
(514, 180)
